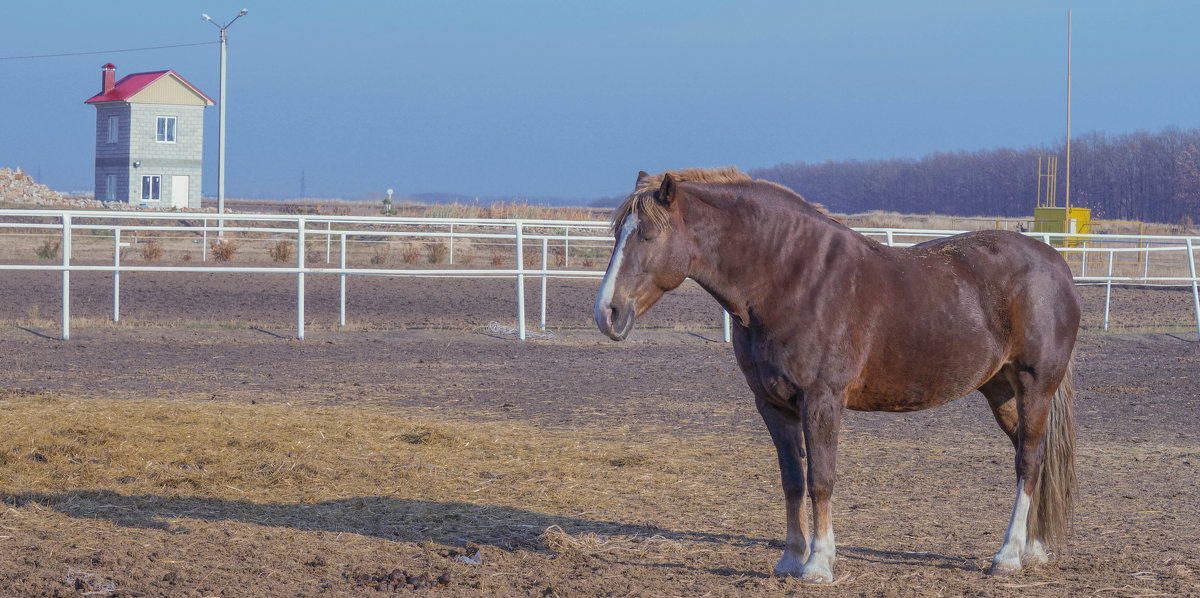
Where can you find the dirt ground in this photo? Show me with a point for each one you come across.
(921, 504)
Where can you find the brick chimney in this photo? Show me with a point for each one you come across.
(108, 77)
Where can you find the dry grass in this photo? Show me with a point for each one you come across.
(437, 252)
(151, 250)
(884, 219)
(280, 251)
(47, 249)
(247, 456)
(223, 250)
(516, 209)
(410, 254)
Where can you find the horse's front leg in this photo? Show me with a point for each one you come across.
(788, 435)
(822, 420)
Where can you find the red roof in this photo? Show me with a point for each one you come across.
(129, 85)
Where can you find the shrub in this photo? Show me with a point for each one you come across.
(466, 255)
(437, 253)
(312, 253)
(497, 258)
(379, 255)
(48, 250)
(533, 258)
(411, 254)
(223, 250)
(151, 250)
(281, 251)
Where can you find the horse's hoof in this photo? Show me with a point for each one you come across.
(816, 575)
(1004, 568)
(1034, 554)
(789, 565)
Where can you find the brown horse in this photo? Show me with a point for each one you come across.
(826, 319)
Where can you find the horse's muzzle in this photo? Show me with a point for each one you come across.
(615, 322)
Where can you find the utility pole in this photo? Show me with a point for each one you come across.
(1068, 194)
(221, 124)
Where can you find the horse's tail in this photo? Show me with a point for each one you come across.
(1054, 494)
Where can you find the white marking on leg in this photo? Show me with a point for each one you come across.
(604, 297)
(1008, 560)
(1034, 553)
(819, 566)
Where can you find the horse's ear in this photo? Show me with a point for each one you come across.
(666, 191)
(642, 175)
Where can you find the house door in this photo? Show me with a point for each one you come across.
(179, 191)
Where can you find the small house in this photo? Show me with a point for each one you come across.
(149, 139)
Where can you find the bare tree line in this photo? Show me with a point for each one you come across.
(1152, 177)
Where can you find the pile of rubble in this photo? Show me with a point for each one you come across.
(18, 187)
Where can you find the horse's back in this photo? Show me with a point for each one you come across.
(957, 309)
(1014, 270)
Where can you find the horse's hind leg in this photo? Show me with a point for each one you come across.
(1002, 398)
(1033, 396)
(788, 435)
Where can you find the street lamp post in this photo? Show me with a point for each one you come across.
(221, 125)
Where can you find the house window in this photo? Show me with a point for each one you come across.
(166, 129)
(110, 188)
(152, 187)
(114, 128)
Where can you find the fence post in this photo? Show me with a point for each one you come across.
(1146, 272)
(545, 244)
(204, 242)
(1108, 287)
(117, 275)
(66, 276)
(725, 326)
(328, 239)
(1195, 287)
(520, 283)
(566, 247)
(451, 243)
(342, 281)
(300, 278)
(889, 237)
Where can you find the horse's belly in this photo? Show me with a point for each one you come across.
(909, 398)
(919, 386)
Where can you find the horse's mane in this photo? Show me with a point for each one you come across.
(642, 197)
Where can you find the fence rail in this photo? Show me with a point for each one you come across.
(1174, 255)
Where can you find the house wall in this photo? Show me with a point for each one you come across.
(183, 157)
(137, 142)
(112, 158)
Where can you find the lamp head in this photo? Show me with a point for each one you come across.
(243, 13)
(206, 17)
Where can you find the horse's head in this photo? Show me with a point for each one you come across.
(651, 256)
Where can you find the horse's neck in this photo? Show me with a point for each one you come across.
(740, 257)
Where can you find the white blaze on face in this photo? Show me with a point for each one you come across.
(604, 298)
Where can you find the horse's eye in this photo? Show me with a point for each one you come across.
(648, 233)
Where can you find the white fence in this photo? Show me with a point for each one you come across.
(1172, 255)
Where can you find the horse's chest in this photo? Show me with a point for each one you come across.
(768, 379)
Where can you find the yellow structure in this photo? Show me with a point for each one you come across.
(1048, 217)
(1063, 220)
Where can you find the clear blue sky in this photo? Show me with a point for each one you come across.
(571, 99)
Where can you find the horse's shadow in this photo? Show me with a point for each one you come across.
(410, 520)
(386, 517)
